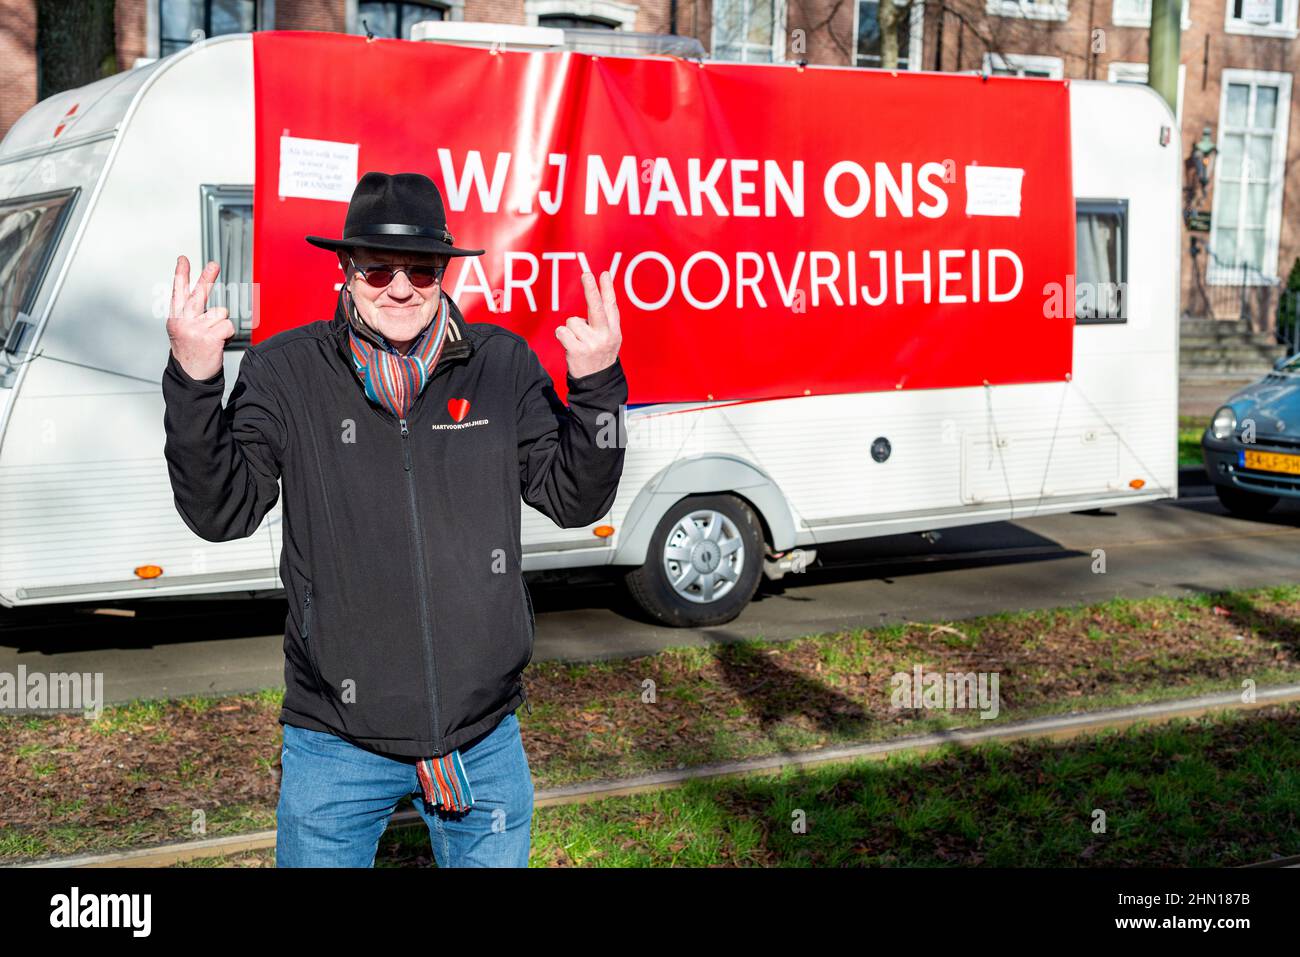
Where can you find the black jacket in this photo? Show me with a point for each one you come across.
(409, 619)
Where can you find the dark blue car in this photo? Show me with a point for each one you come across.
(1252, 445)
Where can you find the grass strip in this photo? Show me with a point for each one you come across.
(161, 771)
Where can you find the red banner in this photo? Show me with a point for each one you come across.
(772, 231)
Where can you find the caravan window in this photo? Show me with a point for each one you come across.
(228, 238)
(29, 234)
(1101, 256)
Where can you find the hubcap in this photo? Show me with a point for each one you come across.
(704, 555)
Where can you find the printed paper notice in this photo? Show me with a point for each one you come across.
(1259, 12)
(317, 169)
(993, 190)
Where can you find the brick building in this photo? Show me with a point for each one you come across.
(1234, 82)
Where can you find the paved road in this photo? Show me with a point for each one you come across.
(1169, 548)
(1200, 395)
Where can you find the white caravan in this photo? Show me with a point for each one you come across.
(101, 188)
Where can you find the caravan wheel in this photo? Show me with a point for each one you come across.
(704, 563)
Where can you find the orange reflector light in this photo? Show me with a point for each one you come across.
(148, 571)
(603, 531)
(1137, 483)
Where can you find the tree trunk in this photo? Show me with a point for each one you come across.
(76, 44)
(888, 16)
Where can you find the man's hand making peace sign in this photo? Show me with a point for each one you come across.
(592, 344)
(198, 334)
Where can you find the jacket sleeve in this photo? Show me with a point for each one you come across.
(224, 464)
(570, 457)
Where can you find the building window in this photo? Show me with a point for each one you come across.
(228, 239)
(580, 14)
(1137, 13)
(1254, 112)
(181, 22)
(1101, 257)
(910, 24)
(563, 22)
(749, 31)
(1269, 18)
(1029, 9)
(1022, 64)
(395, 19)
(1137, 74)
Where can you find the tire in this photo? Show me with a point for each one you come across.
(1244, 504)
(673, 552)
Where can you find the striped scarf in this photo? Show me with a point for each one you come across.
(394, 381)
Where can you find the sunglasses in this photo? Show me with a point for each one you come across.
(380, 275)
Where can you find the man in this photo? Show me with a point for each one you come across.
(403, 438)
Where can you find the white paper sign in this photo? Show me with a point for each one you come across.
(317, 169)
(1257, 11)
(993, 190)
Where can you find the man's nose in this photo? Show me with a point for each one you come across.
(401, 286)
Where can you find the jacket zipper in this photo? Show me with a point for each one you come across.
(311, 650)
(430, 673)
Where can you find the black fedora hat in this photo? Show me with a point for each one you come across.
(402, 212)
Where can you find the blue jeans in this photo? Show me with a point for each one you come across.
(336, 798)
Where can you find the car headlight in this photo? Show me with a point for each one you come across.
(1224, 422)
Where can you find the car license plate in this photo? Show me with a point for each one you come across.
(1270, 461)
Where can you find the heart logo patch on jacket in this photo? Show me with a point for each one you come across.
(459, 408)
